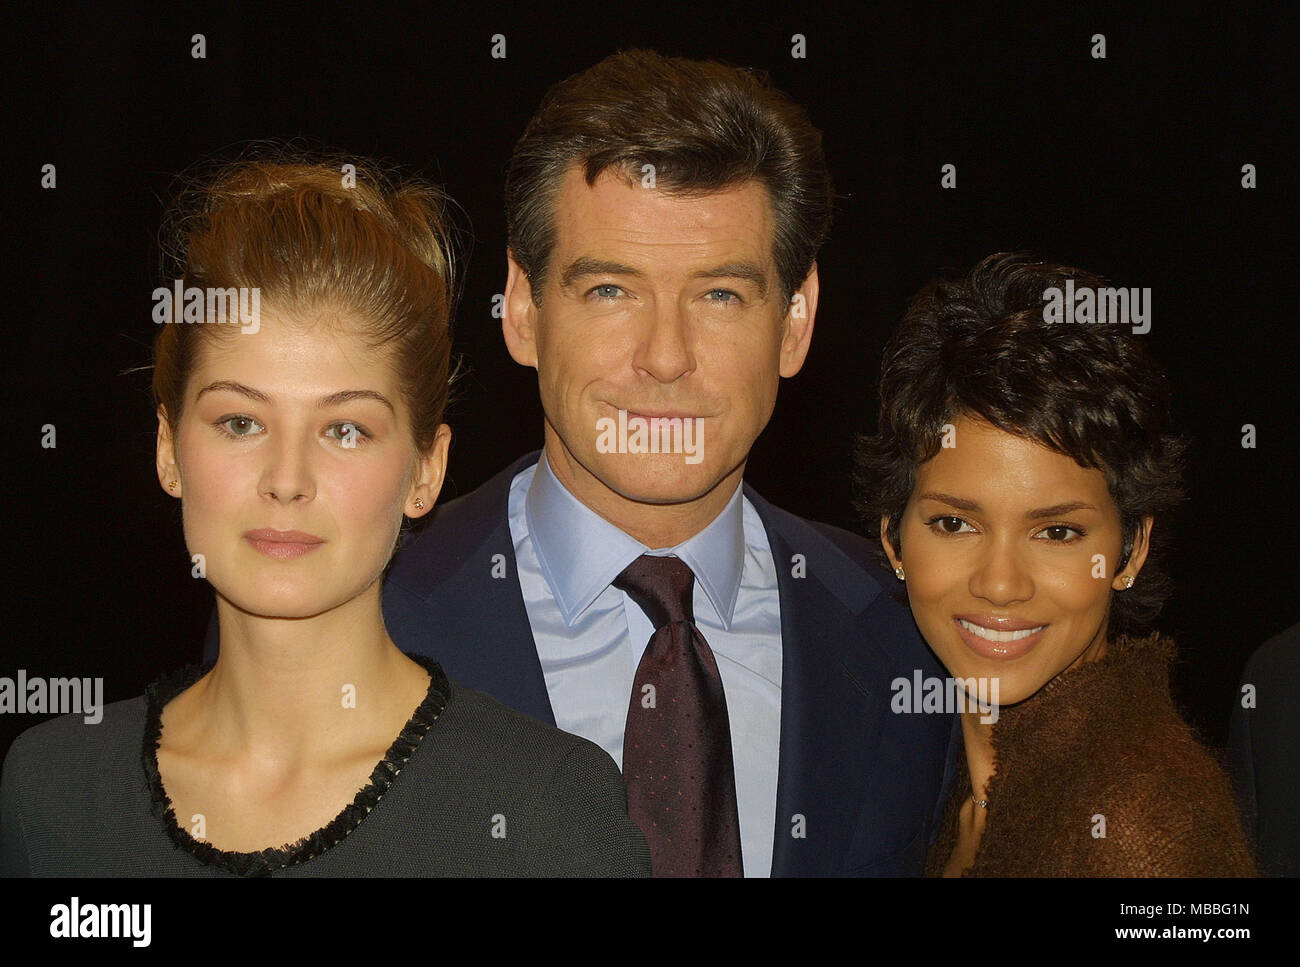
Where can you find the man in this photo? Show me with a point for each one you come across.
(664, 217)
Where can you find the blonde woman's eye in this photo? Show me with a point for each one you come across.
(238, 426)
(348, 434)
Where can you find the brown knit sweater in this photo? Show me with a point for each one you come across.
(1101, 740)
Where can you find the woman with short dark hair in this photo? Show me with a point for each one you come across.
(1022, 469)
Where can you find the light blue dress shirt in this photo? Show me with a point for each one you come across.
(590, 636)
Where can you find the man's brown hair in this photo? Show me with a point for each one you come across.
(703, 125)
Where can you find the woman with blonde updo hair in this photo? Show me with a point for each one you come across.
(301, 377)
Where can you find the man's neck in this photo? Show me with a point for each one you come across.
(654, 525)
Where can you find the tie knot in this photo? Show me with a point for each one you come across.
(661, 586)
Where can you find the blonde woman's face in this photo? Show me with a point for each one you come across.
(295, 464)
(1009, 552)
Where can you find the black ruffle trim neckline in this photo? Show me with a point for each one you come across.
(268, 861)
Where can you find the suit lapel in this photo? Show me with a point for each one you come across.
(489, 644)
(830, 722)
(843, 800)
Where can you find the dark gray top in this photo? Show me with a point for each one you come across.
(469, 788)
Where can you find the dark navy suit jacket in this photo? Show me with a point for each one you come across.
(860, 788)
(1262, 754)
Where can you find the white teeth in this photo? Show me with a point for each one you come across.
(991, 635)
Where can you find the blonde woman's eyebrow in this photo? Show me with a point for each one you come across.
(349, 395)
(230, 386)
(333, 399)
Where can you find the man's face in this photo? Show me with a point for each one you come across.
(662, 306)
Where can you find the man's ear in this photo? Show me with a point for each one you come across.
(169, 473)
(429, 475)
(519, 314)
(798, 324)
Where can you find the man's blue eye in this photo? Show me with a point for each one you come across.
(606, 291)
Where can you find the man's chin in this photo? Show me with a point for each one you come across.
(657, 478)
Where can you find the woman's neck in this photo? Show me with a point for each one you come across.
(980, 763)
(977, 730)
(289, 688)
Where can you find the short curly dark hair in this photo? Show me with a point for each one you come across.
(980, 346)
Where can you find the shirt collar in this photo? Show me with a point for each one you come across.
(581, 553)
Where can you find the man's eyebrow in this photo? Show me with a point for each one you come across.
(745, 271)
(586, 265)
(333, 399)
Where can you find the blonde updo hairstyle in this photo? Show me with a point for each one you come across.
(378, 252)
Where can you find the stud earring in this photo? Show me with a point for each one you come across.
(171, 485)
(898, 573)
(1128, 581)
(419, 504)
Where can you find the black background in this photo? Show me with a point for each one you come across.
(1128, 166)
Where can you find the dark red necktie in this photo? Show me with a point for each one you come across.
(681, 783)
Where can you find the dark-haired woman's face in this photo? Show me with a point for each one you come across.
(1009, 552)
(295, 463)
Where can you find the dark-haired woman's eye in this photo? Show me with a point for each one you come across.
(948, 524)
(1060, 534)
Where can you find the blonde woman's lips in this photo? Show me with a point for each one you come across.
(283, 544)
